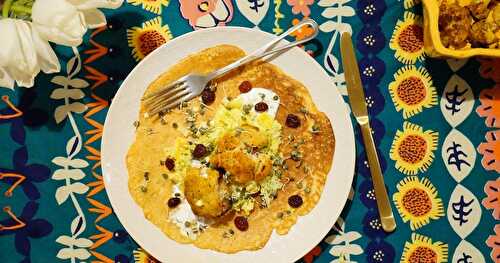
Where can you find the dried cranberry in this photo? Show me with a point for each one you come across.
(261, 107)
(295, 201)
(170, 164)
(241, 223)
(173, 202)
(208, 96)
(292, 121)
(245, 86)
(199, 151)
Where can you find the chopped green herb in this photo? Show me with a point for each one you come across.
(262, 95)
(177, 194)
(187, 224)
(306, 169)
(143, 189)
(163, 122)
(162, 162)
(247, 108)
(315, 128)
(231, 231)
(203, 130)
(184, 104)
(276, 97)
(146, 176)
(307, 190)
(175, 125)
(304, 110)
(280, 215)
(296, 155)
(165, 176)
(136, 124)
(300, 185)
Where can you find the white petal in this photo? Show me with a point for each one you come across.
(221, 11)
(205, 21)
(5, 80)
(58, 21)
(94, 18)
(47, 59)
(17, 54)
(89, 4)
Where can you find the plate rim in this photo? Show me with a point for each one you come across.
(349, 136)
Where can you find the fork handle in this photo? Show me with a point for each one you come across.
(270, 48)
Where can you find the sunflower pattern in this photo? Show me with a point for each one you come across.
(417, 201)
(143, 40)
(421, 249)
(408, 39)
(413, 149)
(412, 91)
(150, 5)
(141, 256)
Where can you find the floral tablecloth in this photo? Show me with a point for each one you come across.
(435, 125)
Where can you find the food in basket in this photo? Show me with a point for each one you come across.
(470, 23)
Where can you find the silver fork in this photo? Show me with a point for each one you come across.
(192, 85)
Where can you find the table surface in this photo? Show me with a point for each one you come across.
(434, 125)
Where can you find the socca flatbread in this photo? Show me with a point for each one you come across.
(306, 155)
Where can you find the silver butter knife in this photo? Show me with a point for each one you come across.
(358, 106)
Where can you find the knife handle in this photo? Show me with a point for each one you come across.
(383, 204)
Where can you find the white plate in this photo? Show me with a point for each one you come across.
(119, 134)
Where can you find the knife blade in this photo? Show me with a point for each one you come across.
(360, 111)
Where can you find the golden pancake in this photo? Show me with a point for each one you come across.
(253, 151)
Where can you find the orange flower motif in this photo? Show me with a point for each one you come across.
(490, 105)
(309, 257)
(489, 68)
(301, 6)
(302, 32)
(492, 200)
(490, 151)
(494, 243)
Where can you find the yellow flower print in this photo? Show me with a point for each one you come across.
(417, 201)
(412, 91)
(143, 40)
(408, 39)
(413, 149)
(421, 249)
(141, 256)
(150, 5)
(411, 3)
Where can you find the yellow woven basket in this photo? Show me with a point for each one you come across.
(432, 39)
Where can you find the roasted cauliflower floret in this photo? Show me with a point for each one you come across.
(205, 193)
(239, 164)
(250, 136)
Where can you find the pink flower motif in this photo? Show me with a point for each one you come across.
(301, 6)
(490, 106)
(207, 13)
(491, 151)
(492, 200)
(489, 68)
(494, 243)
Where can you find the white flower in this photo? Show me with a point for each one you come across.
(23, 53)
(66, 21)
(24, 48)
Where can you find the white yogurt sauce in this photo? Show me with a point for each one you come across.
(183, 213)
(256, 95)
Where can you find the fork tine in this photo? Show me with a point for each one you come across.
(167, 88)
(160, 105)
(161, 98)
(177, 102)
